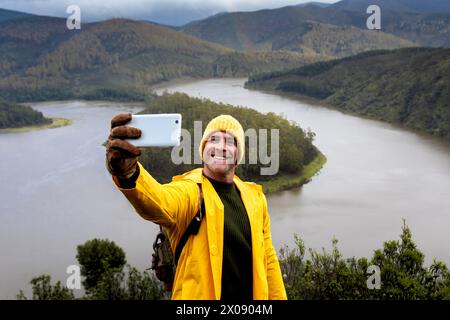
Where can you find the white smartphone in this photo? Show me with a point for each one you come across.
(158, 130)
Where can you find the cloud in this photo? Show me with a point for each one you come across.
(153, 10)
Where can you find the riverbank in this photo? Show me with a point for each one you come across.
(56, 123)
(408, 87)
(320, 103)
(87, 102)
(286, 182)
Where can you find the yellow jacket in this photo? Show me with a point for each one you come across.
(199, 271)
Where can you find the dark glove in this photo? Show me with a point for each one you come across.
(121, 156)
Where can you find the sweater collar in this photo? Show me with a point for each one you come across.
(221, 186)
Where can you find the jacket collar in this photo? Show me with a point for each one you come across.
(196, 175)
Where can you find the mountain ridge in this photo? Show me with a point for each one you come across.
(39, 54)
(286, 28)
(246, 30)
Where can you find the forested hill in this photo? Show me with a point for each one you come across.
(40, 59)
(407, 86)
(14, 116)
(338, 29)
(307, 28)
(6, 15)
(296, 150)
(427, 23)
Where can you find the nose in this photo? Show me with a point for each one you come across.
(221, 149)
(223, 144)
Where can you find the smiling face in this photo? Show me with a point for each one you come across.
(219, 156)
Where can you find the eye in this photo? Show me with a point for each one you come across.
(230, 141)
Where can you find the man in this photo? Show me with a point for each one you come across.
(232, 256)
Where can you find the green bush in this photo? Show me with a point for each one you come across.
(97, 257)
(130, 285)
(327, 275)
(323, 275)
(44, 290)
(102, 265)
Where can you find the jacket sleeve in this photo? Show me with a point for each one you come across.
(172, 204)
(274, 277)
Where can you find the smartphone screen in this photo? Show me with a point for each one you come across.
(158, 130)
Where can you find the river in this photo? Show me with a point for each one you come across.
(56, 192)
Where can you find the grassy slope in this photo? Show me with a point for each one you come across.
(289, 181)
(56, 123)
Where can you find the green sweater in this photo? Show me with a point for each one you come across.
(237, 273)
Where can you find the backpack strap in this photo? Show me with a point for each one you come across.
(193, 227)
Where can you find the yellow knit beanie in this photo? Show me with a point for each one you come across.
(230, 125)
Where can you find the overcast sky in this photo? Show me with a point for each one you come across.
(162, 11)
